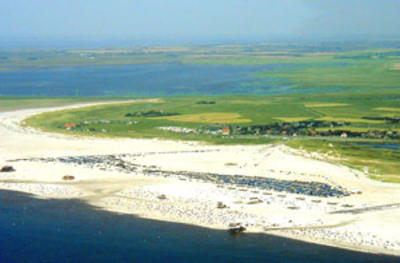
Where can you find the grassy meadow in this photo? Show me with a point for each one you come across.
(230, 110)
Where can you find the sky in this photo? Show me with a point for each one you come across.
(193, 20)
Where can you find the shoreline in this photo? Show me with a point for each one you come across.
(193, 201)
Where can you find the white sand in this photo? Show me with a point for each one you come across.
(195, 202)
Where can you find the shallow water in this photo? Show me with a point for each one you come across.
(157, 79)
(71, 231)
(388, 146)
(378, 145)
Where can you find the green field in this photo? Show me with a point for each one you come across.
(230, 110)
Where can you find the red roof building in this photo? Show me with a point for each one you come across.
(226, 131)
(313, 132)
(69, 125)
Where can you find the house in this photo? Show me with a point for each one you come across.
(344, 135)
(313, 132)
(226, 131)
(69, 126)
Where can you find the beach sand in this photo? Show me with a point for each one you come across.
(365, 222)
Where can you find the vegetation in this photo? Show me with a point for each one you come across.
(151, 114)
(380, 160)
(360, 74)
(243, 111)
(206, 102)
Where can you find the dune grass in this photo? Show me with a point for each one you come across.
(381, 163)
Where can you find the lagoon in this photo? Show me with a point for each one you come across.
(153, 79)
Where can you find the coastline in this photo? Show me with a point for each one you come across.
(193, 201)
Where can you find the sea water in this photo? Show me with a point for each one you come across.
(37, 230)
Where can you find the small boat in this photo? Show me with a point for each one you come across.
(68, 177)
(236, 228)
(7, 168)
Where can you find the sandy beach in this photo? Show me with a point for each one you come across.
(265, 188)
